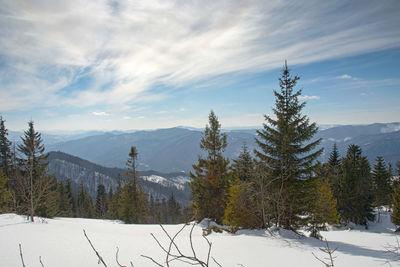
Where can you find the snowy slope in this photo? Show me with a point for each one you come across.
(60, 242)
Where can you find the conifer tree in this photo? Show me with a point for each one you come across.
(324, 208)
(396, 200)
(5, 194)
(381, 176)
(36, 190)
(116, 201)
(356, 194)
(241, 208)
(101, 202)
(174, 209)
(287, 152)
(134, 205)
(63, 200)
(334, 169)
(211, 179)
(84, 205)
(70, 197)
(243, 166)
(5, 151)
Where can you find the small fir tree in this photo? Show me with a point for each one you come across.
(211, 179)
(36, 191)
(84, 208)
(5, 151)
(243, 166)
(356, 193)
(381, 176)
(101, 202)
(323, 208)
(334, 170)
(5, 194)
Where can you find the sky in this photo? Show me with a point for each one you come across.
(124, 65)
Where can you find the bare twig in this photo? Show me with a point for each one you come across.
(97, 253)
(116, 258)
(20, 253)
(40, 260)
(327, 262)
(192, 260)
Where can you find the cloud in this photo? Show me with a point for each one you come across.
(161, 112)
(345, 76)
(308, 97)
(100, 113)
(128, 48)
(127, 118)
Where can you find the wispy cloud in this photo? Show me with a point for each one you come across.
(308, 97)
(100, 113)
(47, 46)
(345, 76)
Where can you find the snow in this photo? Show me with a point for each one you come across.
(61, 242)
(178, 182)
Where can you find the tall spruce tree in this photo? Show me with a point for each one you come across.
(287, 152)
(356, 195)
(381, 176)
(211, 179)
(5, 151)
(37, 191)
(134, 204)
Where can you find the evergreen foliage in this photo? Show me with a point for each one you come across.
(36, 191)
(211, 179)
(134, 205)
(64, 200)
(5, 151)
(5, 194)
(84, 205)
(396, 200)
(334, 170)
(324, 208)
(241, 208)
(101, 202)
(285, 150)
(243, 166)
(381, 176)
(356, 192)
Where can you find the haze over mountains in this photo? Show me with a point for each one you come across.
(176, 149)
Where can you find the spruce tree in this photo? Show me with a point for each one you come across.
(324, 208)
(84, 205)
(356, 195)
(134, 205)
(243, 166)
(63, 200)
(101, 202)
(5, 151)
(5, 194)
(334, 170)
(174, 209)
(36, 190)
(287, 152)
(382, 185)
(211, 179)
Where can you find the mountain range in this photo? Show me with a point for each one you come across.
(79, 171)
(176, 149)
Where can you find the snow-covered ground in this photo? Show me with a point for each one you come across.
(61, 242)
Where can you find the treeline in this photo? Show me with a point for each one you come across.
(26, 188)
(283, 185)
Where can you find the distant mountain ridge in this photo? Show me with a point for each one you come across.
(64, 166)
(176, 149)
